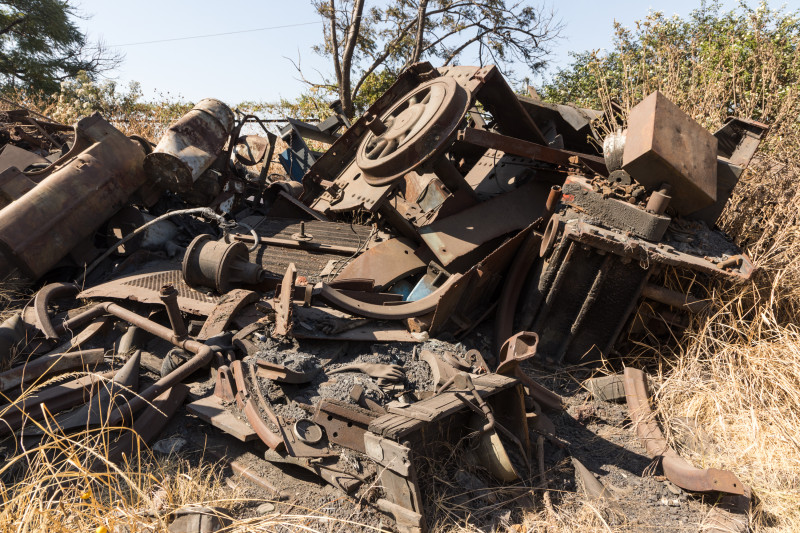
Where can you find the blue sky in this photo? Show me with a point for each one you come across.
(253, 65)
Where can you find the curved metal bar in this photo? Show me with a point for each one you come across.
(387, 312)
(251, 412)
(677, 469)
(516, 349)
(42, 301)
(527, 254)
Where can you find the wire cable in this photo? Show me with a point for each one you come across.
(215, 34)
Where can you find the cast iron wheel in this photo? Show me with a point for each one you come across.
(413, 131)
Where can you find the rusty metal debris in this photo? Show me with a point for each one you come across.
(450, 203)
(677, 469)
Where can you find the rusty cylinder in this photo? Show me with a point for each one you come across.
(190, 145)
(66, 208)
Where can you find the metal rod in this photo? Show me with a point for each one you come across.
(169, 295)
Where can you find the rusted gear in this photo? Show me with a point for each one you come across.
(413, 131)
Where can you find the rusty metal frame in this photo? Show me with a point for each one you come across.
(513, 145)
(737, 268)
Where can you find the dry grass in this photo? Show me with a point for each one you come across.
(736, 372)
(66, 483)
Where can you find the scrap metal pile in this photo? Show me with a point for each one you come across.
(452, 203)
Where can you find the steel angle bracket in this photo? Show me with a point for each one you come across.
(677, 469)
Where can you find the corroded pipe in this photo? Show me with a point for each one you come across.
(169, 296)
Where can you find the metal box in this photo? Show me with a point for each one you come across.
(665, 145)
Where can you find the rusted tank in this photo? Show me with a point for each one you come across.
(69, 205)
(190, 145)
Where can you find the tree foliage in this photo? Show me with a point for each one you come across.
(714, 63)
(40, 45)
(370, 45)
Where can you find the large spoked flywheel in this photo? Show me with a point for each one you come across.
(413, 131)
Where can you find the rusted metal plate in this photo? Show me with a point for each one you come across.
(454, 237)
(677, 469)
(385, 263)
(344, 424)
(13, 156)
(664, 145)
(212, 411)
(145, 288)
(349, 237)
(330, 241)
(497, 172)
(220, 318)
(348, 191)
(326, 323)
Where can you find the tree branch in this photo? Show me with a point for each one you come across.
(13, 24)
(423, 7)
